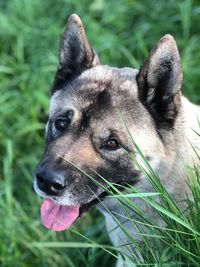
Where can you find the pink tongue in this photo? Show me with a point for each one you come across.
(57, 217)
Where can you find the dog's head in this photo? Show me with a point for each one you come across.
(84, 131)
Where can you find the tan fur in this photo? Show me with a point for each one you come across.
(86, 155)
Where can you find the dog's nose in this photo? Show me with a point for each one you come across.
(51, 182)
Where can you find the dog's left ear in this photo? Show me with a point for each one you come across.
(159, 81)
(76, 55)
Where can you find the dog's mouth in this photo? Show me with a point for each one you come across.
(59, 217)
(87, 206)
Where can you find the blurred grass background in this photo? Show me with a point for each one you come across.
(122, 32)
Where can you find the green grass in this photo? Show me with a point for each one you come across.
(122, 32)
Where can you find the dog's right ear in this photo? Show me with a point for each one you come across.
(76, 55)
(159, 81)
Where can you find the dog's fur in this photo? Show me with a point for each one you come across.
(159, 118)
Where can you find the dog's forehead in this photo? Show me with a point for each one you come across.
(104, 73)
(99, 82)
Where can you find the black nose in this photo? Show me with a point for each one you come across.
(51, 182)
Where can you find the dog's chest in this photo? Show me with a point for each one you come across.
(122, 223)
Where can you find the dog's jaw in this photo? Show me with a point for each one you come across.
(65, 203)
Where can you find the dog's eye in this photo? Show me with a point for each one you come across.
(111, 144)
(61, 124)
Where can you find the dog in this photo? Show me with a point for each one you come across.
(84, 132)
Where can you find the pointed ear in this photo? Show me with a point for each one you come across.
(76, 55)
(159, 81)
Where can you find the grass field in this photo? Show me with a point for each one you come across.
(122, 32)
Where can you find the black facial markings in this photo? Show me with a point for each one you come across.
(59, 160)
(54, 130)
(103, 99)
(62, 122)
(85, 120)
(100, 103)
(115, 172)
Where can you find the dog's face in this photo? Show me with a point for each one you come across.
(84, 131)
